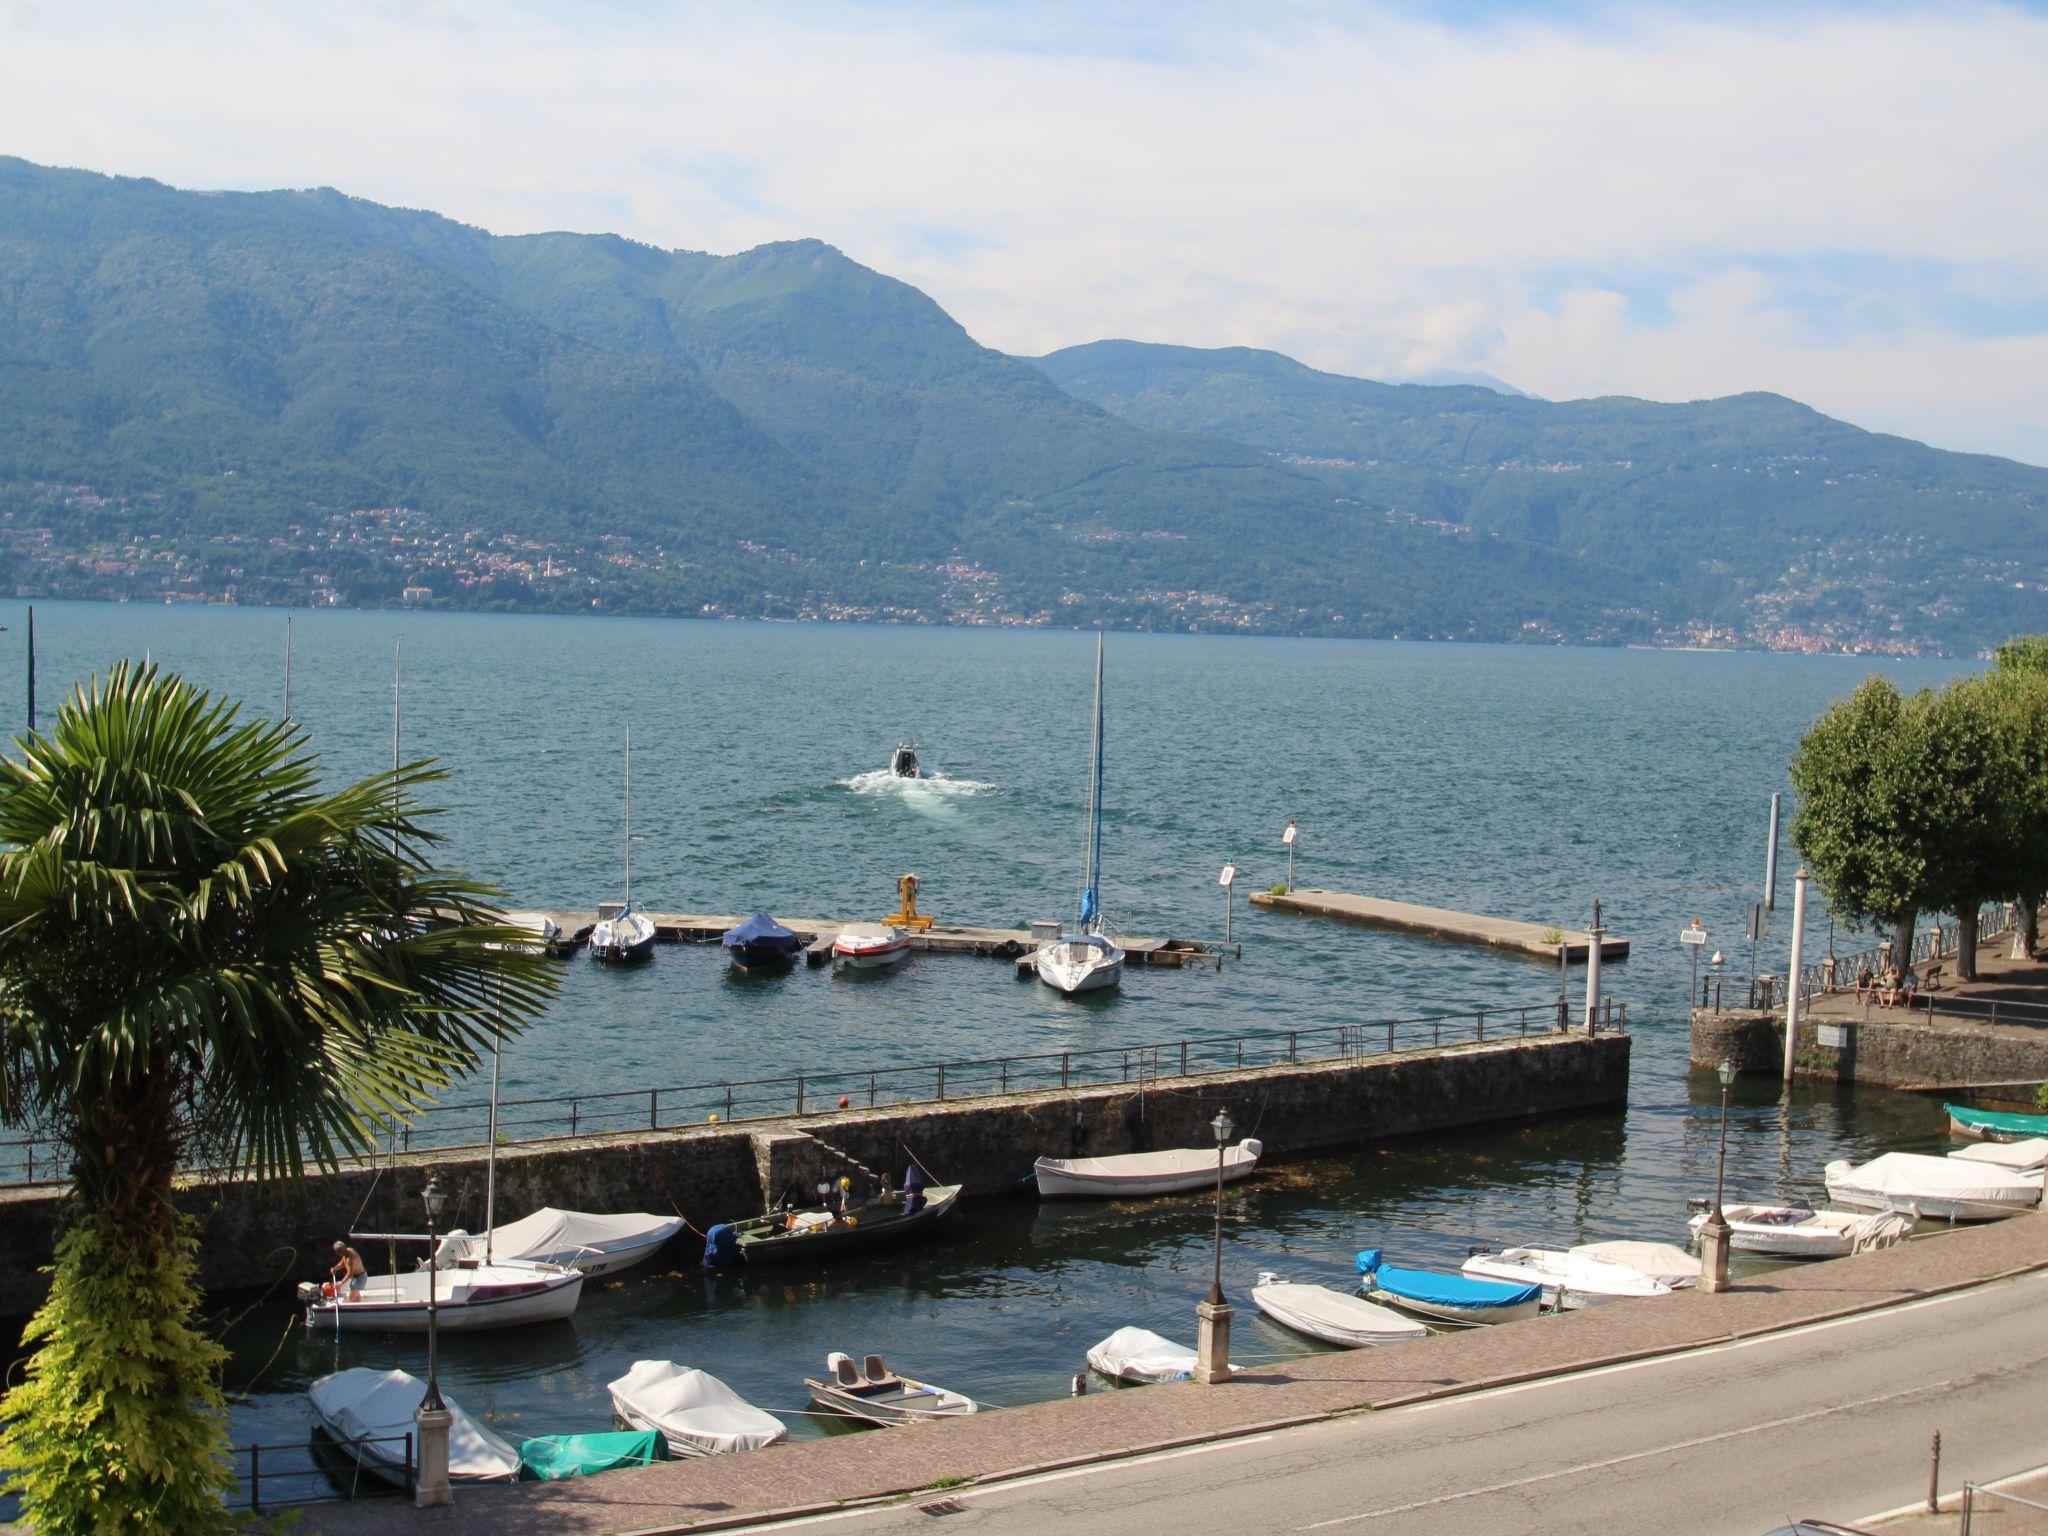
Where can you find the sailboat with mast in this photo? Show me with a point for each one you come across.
(623, 936)
(1085, 959)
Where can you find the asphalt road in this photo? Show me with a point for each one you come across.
(1831, 1420)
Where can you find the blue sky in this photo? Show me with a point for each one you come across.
(1839, 203)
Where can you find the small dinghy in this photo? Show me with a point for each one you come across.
(1942, 1188)
(1128, 1175)
(1570, 1279)
(1330, 1315)
(903, 761)
(1449, 1298)
(1140, 1357)
(597, 1245)
(543, 930)
(370, 1416)
(696, 1414)
(761, 942)
(1800, 1232)
(1994, 1124)
(803, 1236)
(623, 935)
(1660, 1261)
(869, 947)
(469, 1296)
(873, 1392)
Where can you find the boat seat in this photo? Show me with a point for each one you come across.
(845, 1372)
(876, 1369)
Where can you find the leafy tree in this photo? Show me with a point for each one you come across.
(2019, 683)
(203, 956)
(2024, 653)
(1970, 747)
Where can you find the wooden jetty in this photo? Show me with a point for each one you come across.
(941, 938)
(1441, 923)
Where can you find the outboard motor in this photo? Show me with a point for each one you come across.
(722, 1246)
(904, 763)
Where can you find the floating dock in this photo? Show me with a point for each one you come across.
(1539, 940)
(941, 938)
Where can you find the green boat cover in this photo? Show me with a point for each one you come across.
(551, 1457)
(2002, 1122)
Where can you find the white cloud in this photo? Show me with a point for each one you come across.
(1579, 205)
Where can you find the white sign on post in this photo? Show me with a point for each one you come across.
(1289, 835)
(1228, 877)
(1692, 936)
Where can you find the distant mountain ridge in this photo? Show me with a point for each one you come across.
(302, 396)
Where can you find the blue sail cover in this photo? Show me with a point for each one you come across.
(1427, 1285)
(762, 933)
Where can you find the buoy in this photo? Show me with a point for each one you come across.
(712, 1118)
(842, 1101)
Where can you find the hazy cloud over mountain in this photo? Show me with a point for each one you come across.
(1840, 204)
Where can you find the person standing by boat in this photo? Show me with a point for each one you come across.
(349, 1272)
(914, 1185)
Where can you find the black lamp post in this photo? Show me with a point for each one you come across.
(436, 1201)
(1223, 1126)
(1727, 1075)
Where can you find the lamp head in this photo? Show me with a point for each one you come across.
(435, 1198)
(1223, 1126)
(1726, 1071)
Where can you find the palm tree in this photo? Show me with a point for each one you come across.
(204, 961)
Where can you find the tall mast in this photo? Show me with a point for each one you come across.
(1091, 903)
(287, 666)
(491, 1165)
(397, 689)
(629, 815)
(31, 666)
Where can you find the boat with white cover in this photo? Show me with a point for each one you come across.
(1660, 1261)
(470, 1296)
(545, 932)
(1128, 1175)
(597, 1245)
(1447, 1297)
(1086, 960)
(1140, 1357)
(1570, 1279)
(873, 1392)
(371, 1416)
(1943, 1188)
(2026, 1156)
(870, 947)
(1332, 1316)
(695, 1412)
(1800, 1232)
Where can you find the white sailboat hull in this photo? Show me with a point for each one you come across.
(468, 1300)
(1076, 965)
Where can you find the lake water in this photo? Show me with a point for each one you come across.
(1518, 781)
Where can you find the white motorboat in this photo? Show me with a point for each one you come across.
(469, 1296)
(1138, 1356)
(903, 761)
(622, 936)
(1800, 1232)
(696, 1413)
(1660, 1261)
(873, 1392)
(1127, 1175)
(2023, 1157)
(370, 1415)
(1450, 1298)
(1570, 1279)
(1086, 960)
(543, 930)
(870, 946)
(1332, 1316)
(597, 1245)
(1941, 1188)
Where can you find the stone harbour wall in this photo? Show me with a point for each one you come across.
(1888, 1052)
(254, 1237)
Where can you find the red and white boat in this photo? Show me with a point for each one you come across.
(869, 946)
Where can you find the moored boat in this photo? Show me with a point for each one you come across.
(761, 942)
(469, 1296)
(1800, 1232)
(542, 929)
(1128, 1175)
(1938, 1188)
(623, 935)
(797, 1236)
(1447, 1297)
(870, 947)
(1330, 1315)
(1660, 1261)
(694, 1412)
(370, 1415)
(1994, 1124)
(2022, 1157)
(1570, 1279)
(873, 1392)
(597, 1245)
(1086, 959)
(1140, 1357)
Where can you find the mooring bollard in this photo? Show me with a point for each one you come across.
(1934, 1476)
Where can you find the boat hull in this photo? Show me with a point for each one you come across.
(1994, 1125)
(1567, 1286)
(908, 1402)
(1815, 1238)
(1060, 1179)
(551, 1302)
(1847, 1187)
(759, 1243)
(871, 958)
(1071, 968)
(1450, 1312)
(1357, 1330)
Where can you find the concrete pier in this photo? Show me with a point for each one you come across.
(1504, 933)
(255, 1236)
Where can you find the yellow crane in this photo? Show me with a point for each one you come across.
(906, 889)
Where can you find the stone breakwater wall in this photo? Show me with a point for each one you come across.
(1890, 1053)
(258, 1236)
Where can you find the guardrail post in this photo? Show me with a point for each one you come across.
(1291, 1046)
(255, 1479)
(942, 1082)
(1183, 1058)
(1390, 1034)
(574, 1105)
(1482, 1024)
(799, 1093)
(728, 1096)
(654, 1109)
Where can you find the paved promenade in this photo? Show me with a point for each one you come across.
(825, 1474)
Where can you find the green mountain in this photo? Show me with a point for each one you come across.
(301, 396)
(1761, 515)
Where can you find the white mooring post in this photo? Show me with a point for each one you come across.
(1593, 935)
(1771, 858)
(1792, 976)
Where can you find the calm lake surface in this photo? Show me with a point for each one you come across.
(1522, 782)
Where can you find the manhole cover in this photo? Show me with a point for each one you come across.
(942, 1507)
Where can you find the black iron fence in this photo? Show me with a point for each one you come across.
(320, 1470)
(1932, 941)
(627, 1111)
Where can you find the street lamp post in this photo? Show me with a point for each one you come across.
(1212, 1345)
(1714, 1232)
(433, 1420)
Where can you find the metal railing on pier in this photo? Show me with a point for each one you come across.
(1990, 1509)
(638, 1110)
(319, 1470)
(1935, 940)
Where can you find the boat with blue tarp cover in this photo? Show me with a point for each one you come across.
(761, 940)
(1451, 1298)
(1994, 1124)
